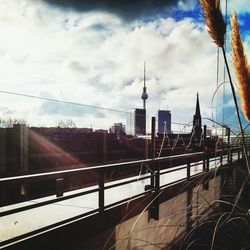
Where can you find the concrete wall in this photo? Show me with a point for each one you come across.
(140, 233)
(202, 199)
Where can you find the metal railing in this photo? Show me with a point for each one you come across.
(152, 170)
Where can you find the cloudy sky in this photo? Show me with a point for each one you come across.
(92, 52)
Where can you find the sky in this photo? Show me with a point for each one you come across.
(93, 52)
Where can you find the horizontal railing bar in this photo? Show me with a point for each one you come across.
(96, 168)
(60, 173)
(173, 182)
(41, 155)
(214, 159)
(128, 182)
(196, 163)
(146, 177)
(173, 170)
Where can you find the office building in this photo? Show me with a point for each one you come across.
(136, 122)
(164, 121)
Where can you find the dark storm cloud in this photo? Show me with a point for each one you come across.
(128, 9)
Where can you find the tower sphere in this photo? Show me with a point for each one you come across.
(144, 96)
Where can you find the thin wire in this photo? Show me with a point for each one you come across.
(202, 137)
(224, 79)
(73, 103)
(165, 136)
(61, 101)
(222, 125)
(217, 83)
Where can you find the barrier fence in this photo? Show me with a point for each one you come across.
(149, 169)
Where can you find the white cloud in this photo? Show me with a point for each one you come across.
(186, 5)
(97, 59)
(241, 6)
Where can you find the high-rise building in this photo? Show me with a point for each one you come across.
(140, 121)
(164, 121)
(130, 124)
(136, 122)
(118, 129)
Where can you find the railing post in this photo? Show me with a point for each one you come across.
(204, 135)
(155, 178)
(16, 161)
(153, 138)
(152, 179)
(189, 201)
(228, 137)
(188, 170)
(146, 149)
(229, 157)
(157, 189)
(204, 164)
(101, 190)
(24, 151)
(154, 209)
(59, 187)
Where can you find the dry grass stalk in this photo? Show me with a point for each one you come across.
(214, 20)
(241, 67)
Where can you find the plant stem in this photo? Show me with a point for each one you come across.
(237, 110)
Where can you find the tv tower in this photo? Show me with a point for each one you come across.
(144, 95)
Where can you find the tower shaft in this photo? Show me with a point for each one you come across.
(144, 95)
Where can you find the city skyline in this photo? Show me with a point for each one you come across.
(94, 55)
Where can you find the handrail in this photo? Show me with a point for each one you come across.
(48, 175)
(153, 174)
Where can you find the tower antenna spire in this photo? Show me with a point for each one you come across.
(144, 95)
(144, 74)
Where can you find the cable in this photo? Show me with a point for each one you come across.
(178, 123)
(191, 138)
(224, 75)
(223, 126)
(202, 137)
(60, 101)
(217, 83)
(165, 136)
(217, 88)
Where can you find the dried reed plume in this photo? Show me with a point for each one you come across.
(241, 67)
(214, 20)
(217, 30)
